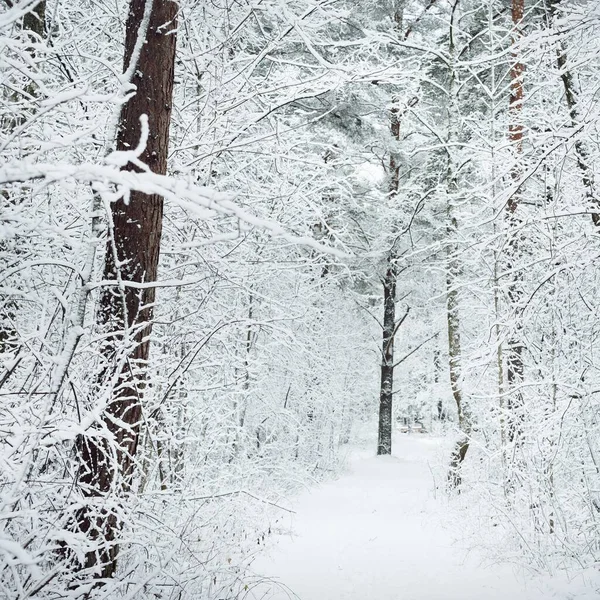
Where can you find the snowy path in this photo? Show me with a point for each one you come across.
(375, 534)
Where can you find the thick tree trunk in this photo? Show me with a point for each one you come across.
(35, 20)
(452, 273)
(454, 344)
(107, 462)
(514, 352)
(517, 71)
(582, 152)
(384, 444)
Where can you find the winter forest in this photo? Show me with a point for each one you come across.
(238, 238)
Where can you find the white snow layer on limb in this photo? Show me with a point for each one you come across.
(201, 201)
(13, 552)
(127, 87)
(120, 158)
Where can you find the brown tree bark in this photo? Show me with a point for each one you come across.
(517, 71)
(514, 354)
(132, 253)
(582, 152)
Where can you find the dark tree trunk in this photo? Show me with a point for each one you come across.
(455, 356)
(384, 444)
(132, 253)
(459, 452)
(517, 71)
(35, 20)
(514, 354)
(582, 153)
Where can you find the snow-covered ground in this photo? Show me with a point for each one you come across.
(378, 533)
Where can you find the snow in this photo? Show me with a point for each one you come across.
(378, 533)
(370, 174)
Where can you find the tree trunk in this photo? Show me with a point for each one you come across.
(514, 353)
(241, 406)
(452, 273)
(107, 461)
(454, 344)
(582, 152)
(384, 444)
(35, 21)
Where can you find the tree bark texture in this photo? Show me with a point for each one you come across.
(384, 443)
(517, 71)
(582, 152)
(132, 254)
(452, 274)
(514, 353)
(35, 20)
(454, 343)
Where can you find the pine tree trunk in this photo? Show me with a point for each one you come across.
(35, 21)
(582, 153)
(107, 465)
(454, 358)
(514, 352)
(452, 273)
(384, 444)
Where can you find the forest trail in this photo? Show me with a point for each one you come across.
(375, 534)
